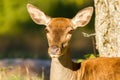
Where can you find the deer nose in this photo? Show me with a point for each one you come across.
(54, 50)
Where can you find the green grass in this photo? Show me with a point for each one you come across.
(6, 73)
(87, 56)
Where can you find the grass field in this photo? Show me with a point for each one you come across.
(24, 73)
(6, 73)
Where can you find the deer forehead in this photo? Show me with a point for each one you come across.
(58, 29)
(60, 24)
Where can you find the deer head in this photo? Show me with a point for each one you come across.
(59, 30)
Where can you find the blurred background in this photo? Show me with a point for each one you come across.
(20, 37)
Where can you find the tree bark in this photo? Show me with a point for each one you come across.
(107, 27)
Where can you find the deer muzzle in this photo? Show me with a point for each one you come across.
(54, 51)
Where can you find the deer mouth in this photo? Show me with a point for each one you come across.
(55, 56)
(55, 52)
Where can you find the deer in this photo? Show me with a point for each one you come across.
(59, 31)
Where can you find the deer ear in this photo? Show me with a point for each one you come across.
(37, 15)
(83, 17)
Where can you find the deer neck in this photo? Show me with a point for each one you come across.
(63, 68)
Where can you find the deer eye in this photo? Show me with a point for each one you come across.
(46, 30)
(70, 32)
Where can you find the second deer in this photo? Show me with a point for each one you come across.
(59, 31)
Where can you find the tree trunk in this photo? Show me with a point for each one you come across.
(107, 27)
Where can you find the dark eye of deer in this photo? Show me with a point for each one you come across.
(46, 30)
(70, 32)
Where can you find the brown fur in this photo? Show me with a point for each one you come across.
(58, 28)
(100, 69)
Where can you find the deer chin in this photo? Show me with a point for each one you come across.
(55, 56)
